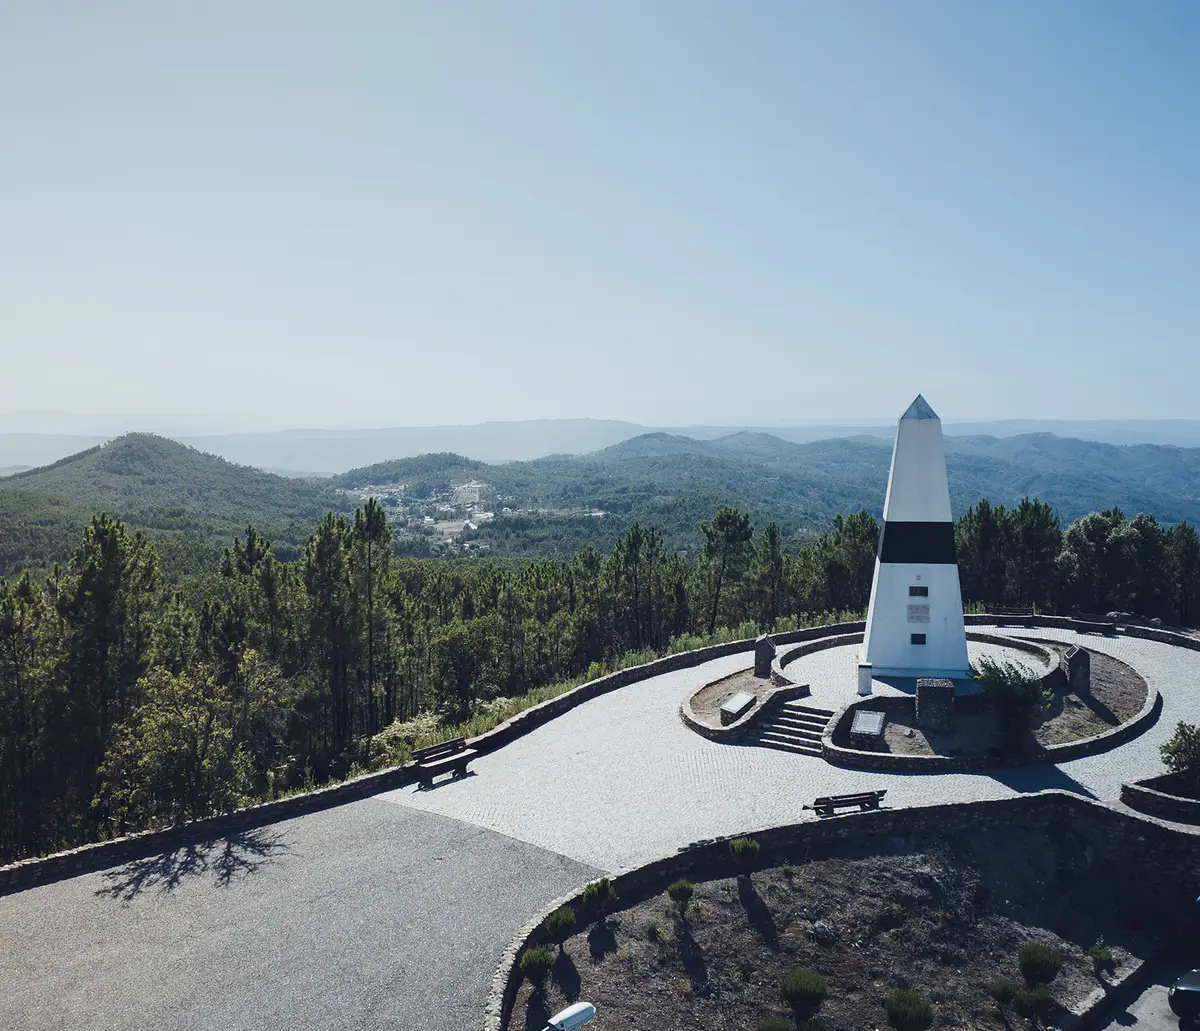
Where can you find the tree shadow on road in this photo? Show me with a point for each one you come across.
(229, 858)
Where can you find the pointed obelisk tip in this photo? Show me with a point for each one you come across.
(919, 409)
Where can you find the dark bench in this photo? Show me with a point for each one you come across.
(448, 757)
(1011, 610)
(828, 805)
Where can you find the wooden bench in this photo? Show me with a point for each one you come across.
(828, 805)
(448, 757)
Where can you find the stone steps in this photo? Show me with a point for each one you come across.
(793, 727)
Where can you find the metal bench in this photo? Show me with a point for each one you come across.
(448, 757)
(828, 805)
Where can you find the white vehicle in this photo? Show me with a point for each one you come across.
(572, 1017)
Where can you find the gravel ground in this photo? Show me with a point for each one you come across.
(365, 916)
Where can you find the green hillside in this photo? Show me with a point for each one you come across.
(192, 502)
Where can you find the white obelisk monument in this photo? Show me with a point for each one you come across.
(915, 620)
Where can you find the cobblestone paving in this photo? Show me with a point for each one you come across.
(619, 780)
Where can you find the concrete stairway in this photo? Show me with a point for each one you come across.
(792, 727)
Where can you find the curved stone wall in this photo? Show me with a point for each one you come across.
(1173, 796)
(1164, 857)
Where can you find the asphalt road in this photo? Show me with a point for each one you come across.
(370, 915)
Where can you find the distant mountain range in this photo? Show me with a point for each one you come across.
(195, 502)
(301, 452)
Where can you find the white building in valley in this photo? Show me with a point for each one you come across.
(915, 620)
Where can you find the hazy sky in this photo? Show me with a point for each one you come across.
(363, 214)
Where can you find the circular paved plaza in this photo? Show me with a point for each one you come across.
(393, 911)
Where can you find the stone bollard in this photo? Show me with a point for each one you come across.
(1077, 665)
(864, 678)
(935, 704)
(764, 655)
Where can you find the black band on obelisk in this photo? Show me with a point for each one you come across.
(918, 543)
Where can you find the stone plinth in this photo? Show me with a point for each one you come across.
(935, 704)
(1077, 664)
(764, 655)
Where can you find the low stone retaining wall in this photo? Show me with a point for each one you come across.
(843, 634)
(737, 730)
(1173, 796)
(857, 758)
(1163, 862)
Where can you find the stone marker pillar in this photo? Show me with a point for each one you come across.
(1078, 667)
(864, 678)
(935, 704)
(764, 655)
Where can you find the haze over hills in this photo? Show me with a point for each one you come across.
(181, 494)
(320, 452)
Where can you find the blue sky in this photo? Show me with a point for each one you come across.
(364, 214)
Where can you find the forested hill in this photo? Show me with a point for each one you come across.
(185, 497)
(673, 482)
(195, 502)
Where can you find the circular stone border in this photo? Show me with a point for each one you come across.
(857, 758)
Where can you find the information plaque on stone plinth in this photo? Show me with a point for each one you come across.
(935, 704)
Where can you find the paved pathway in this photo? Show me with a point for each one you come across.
(620, 780)
(393, 911)
(366, 916)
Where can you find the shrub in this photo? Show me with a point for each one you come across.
(1039, 963)
(745, 853)
(908, 1010)
(1014, 692)
(561, 923)
(1035, 1003)
(536, 964)
(1102, 958)
(804, 991)
(598, 896)
(653, 931)
(789, 872)
(775, 1024)
(1181, 751)
(1004, 990)
(681, 893)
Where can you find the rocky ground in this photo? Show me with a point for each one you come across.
(939, 916)
(1117, 694)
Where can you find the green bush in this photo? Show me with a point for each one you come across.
(1181, 751)
(561, 923)
(1034, 1003)
(745, 853)
(1004, 990)
(1039, 963)
(804, 991)
(681, 893)
(908, 1010)
(598, 896)
(1102, 958)
(775, 1024)
(1014, 692)
(535, 965)
(789, 872)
